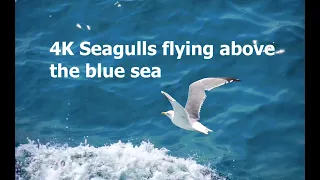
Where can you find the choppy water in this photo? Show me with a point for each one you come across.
(258, 123)
(117, 161)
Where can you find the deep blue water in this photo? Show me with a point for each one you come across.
(258, 123)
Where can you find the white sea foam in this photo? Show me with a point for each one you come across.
(117, 161)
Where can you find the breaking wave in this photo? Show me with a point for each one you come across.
(118, 161)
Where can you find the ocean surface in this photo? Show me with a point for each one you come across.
(111, 128)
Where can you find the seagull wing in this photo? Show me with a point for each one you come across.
(197, 94)
(177, 108)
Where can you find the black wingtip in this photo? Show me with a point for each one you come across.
(232, 79)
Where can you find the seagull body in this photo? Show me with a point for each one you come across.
(188, 117)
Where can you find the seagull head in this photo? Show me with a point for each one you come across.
(170, 114)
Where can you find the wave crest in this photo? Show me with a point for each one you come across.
(115, 161)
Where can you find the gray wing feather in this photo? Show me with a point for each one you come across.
(177, 108)
(197, 94)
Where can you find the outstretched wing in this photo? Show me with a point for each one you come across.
(177, 108)
(197, 94)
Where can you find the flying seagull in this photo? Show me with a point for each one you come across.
(188, 118)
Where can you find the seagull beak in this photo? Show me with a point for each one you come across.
(163, 113)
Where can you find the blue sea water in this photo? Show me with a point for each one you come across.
(112, 128)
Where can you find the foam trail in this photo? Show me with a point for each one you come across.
(113, 162)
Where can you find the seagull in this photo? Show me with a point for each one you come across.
(188, 118)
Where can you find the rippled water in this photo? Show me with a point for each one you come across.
(258, 123)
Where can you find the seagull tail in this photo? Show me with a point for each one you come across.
(201, 128)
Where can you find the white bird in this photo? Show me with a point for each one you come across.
(188, 118)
